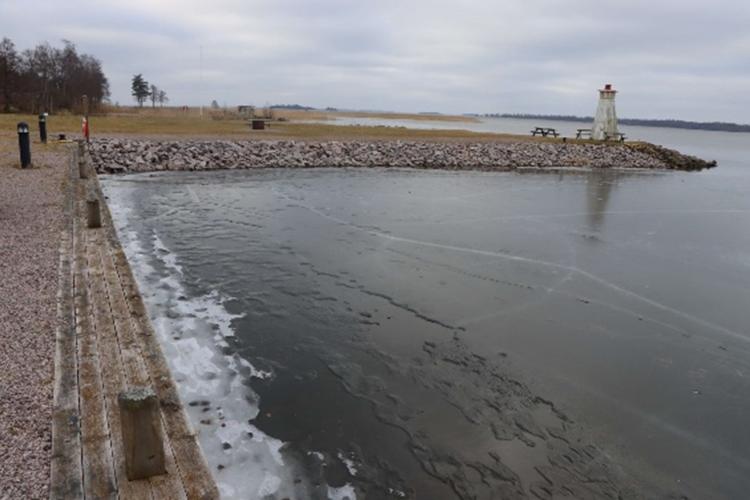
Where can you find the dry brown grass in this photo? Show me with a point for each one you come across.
(143, 123)
(318, 115)
(408, 116)
(173, 122)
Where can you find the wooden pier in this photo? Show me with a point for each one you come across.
(105, 346)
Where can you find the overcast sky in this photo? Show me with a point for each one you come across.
(679, 59)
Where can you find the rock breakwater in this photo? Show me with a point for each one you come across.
(131, 155)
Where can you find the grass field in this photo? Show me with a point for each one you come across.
(174, 123)
(168, 122)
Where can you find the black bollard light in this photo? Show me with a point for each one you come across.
(43, 127)
(23, 144)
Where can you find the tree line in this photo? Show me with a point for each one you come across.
(143, 91)
(643, 122)
(49, 79)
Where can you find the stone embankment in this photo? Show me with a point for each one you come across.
(126, 155)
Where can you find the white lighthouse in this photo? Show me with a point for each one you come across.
(605, 121)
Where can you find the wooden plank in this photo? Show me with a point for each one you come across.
(66, 474)
(98, 472)
(134, 368)
(164, 486)
(66, 479)
(177, 422)
(111, 367)
(185, 450)
(169, 485)
(194, 471)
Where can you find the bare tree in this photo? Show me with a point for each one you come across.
(46, 77)
(9, 72)
(41, 68)
(162, 98)
(154, 95)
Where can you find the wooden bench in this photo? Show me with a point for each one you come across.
(544, 131)
(583, 133)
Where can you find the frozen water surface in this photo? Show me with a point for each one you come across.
(400, 334)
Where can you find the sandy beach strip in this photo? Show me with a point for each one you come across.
(31, 220)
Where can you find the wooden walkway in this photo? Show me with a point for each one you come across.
(106, 344)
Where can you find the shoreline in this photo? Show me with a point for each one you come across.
(123, 155)
(102, 343)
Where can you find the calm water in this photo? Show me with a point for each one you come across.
(688, 141)
(352, 332)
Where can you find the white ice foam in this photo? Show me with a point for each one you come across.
(192, 330)
(168, 258)
(269, 485)
(345, 492)
(350, 464)
(397, 493)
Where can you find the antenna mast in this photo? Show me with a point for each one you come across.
(200, 92)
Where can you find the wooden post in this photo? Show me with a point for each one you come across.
(82, 170)
(142, 436)
(94, 214)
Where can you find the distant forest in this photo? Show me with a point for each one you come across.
(297, 107)
(720, 126)
(49, 79)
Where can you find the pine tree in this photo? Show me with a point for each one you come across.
(140, 89)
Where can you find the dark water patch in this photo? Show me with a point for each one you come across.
(439, 335)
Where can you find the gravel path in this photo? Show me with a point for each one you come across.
(31, 220)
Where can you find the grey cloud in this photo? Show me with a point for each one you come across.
(683, 59)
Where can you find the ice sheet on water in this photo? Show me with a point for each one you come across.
(345, 492)
(168, 258)
(350, 464)
(193, 332)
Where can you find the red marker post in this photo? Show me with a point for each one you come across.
(85, 128)
(85, 120)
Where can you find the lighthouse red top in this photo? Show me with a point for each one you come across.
(608, 88)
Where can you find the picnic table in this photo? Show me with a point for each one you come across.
(544, 131)
(618, 137)
(586, 133)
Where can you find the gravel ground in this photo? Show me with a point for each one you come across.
(31, 219)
